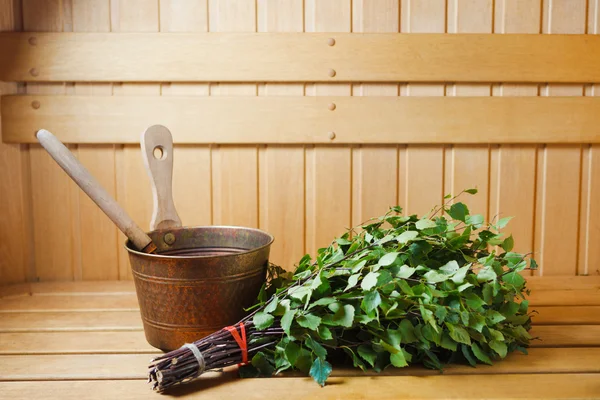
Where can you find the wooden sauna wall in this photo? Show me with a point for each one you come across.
(303, 194)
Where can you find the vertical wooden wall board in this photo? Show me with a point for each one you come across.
(469, 166)
(513, 180)
(374, 168)
(192, 181)
(560, 176)
(51, 197)
(328, 168)
(133, 183)
(281, 168)
(421, 172)
(234, 168)
(589, 234)
(15, 245)
(99, 254)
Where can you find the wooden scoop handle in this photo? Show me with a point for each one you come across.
(92, 188)
(157, 151)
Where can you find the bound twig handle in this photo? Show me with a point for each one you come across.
(157, 151)
(97, 193)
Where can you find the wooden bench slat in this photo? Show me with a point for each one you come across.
(131, 320)
(125, 341)
(134, 366)
(558, 315)
(228, 387)
(128, 300)
(70, 321)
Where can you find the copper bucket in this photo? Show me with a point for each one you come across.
(200, 280)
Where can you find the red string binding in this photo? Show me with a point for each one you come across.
(241, 341)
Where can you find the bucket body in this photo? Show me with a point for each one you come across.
(200, 281)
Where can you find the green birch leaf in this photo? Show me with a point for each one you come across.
(300, 292)
(447, 342)
(466, 351)
(407, 236)
(388, 259)
(486, 274)
(425, 224)
(515, 279)
(287, 319)
(371, 301)
(464, 286)
(458, 211)
(459, 334)
(398, 360)
(471, 191)
(352, 281)
(367, 353)
(502, 222)
(407, 331)
(260, 362)
(324, 332)
(325, 301)
(292, 351)
(450, 268)
(344, 316)
(459, 276)
(262, 320)
(434, 276)
(316, 347)
(499, 347)
(508, 243)
(309, 321)
(320, 371)
(480, 354)
(369, 281)
(272, 306)
(475, 220)
(405, 272)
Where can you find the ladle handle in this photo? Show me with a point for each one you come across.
(95, 191)
(157, 151)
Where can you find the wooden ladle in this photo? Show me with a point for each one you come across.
(95, 191)
(157, 151)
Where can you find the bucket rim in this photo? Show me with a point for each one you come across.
(132, 251)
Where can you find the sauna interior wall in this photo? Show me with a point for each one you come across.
(303, 194)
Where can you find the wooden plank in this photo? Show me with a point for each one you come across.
(83, 342)
(566, 336)
(133, 186)
(586, 297)
(328, 168)
(15, 249)
(229, 386)
(54, 208)
(421, 168)
(90, 341)
(281, 168)
(536, 283)
(292, 57)
(69, 302)
(74, 321)
(558, 242)
(374, 168)
(97, 261)
(134, 366)
(192, 184)
(574, 315)
(103, 119)
(234, 168)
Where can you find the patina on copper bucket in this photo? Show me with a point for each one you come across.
(199, 281)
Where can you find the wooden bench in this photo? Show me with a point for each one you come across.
(85, 340)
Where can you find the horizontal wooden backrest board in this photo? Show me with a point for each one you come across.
(321, 120)
(293, 57)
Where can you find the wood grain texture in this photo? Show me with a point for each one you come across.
(421, 168)
(133, 366)
(281, 168)
(299, 120)
(228, 386)
(328, 169)
(293, 57)
(374, 168)
(558, 216)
